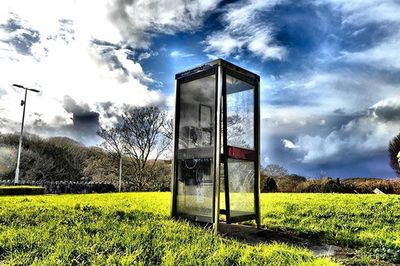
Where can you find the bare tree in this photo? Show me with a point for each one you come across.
(145, 137)
(114, 143)
(168, 131)
(275, 170)
(394, 152)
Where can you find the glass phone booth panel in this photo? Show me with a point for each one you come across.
(240, 145)
(195, 155)
(216, 144)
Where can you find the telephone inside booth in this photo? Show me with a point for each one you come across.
(216, 144)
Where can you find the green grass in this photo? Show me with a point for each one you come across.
(23, 186)
(134, 228)
(121, 229)
(369, 223)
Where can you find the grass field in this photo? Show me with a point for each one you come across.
(14, 187)
(134, 228)
(369, 223)
(121, 229)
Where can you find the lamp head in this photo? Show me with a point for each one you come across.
(19, 86)
(22, 87)
(33, 90)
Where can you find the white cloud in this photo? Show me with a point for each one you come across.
(145, 55)
(384, 14)
(43, 16)
(322, 92)
(211, 56)
(65, 62)
(245, 30)
(180, 54)
(138, 21)
(359, 137)
(223, 43)
(84, 51)
(384, 55)
(288, 144)
(361, 12)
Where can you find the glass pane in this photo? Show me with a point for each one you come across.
(195, 187)
(240, 113)
(195, 149)
(241, 187)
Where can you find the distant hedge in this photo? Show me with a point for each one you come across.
(63, 187)
(21, 190)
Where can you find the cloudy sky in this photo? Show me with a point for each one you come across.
(330, 70)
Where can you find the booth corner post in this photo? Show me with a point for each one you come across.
(216, 142)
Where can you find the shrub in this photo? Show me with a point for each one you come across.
(268, 185)
(324, 185)
(288, 183)
(366, 185)
(21, 190)
(394, 150)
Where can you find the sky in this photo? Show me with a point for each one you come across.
(330, 70)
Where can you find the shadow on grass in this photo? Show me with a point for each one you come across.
(251, 235)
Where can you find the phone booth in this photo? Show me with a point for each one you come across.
(216, 166)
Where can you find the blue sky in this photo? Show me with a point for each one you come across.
(330, 83)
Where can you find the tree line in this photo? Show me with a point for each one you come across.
(137, 143)
(134, 155)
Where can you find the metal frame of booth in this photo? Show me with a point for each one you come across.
(221, 153)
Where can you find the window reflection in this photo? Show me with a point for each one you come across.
(241, 187)
(195, 124)
(240, 113)
(195, 149)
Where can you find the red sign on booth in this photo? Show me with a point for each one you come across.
(240, 153)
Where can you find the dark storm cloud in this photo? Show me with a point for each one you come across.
(339, 111)
(21, 38)
(83, 129)
(388, 112)
(71, 106)
(85, 121)
(86, 124)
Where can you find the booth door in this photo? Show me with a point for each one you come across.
(240, 150)
(194, 162)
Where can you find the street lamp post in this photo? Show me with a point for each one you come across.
(23, 102)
